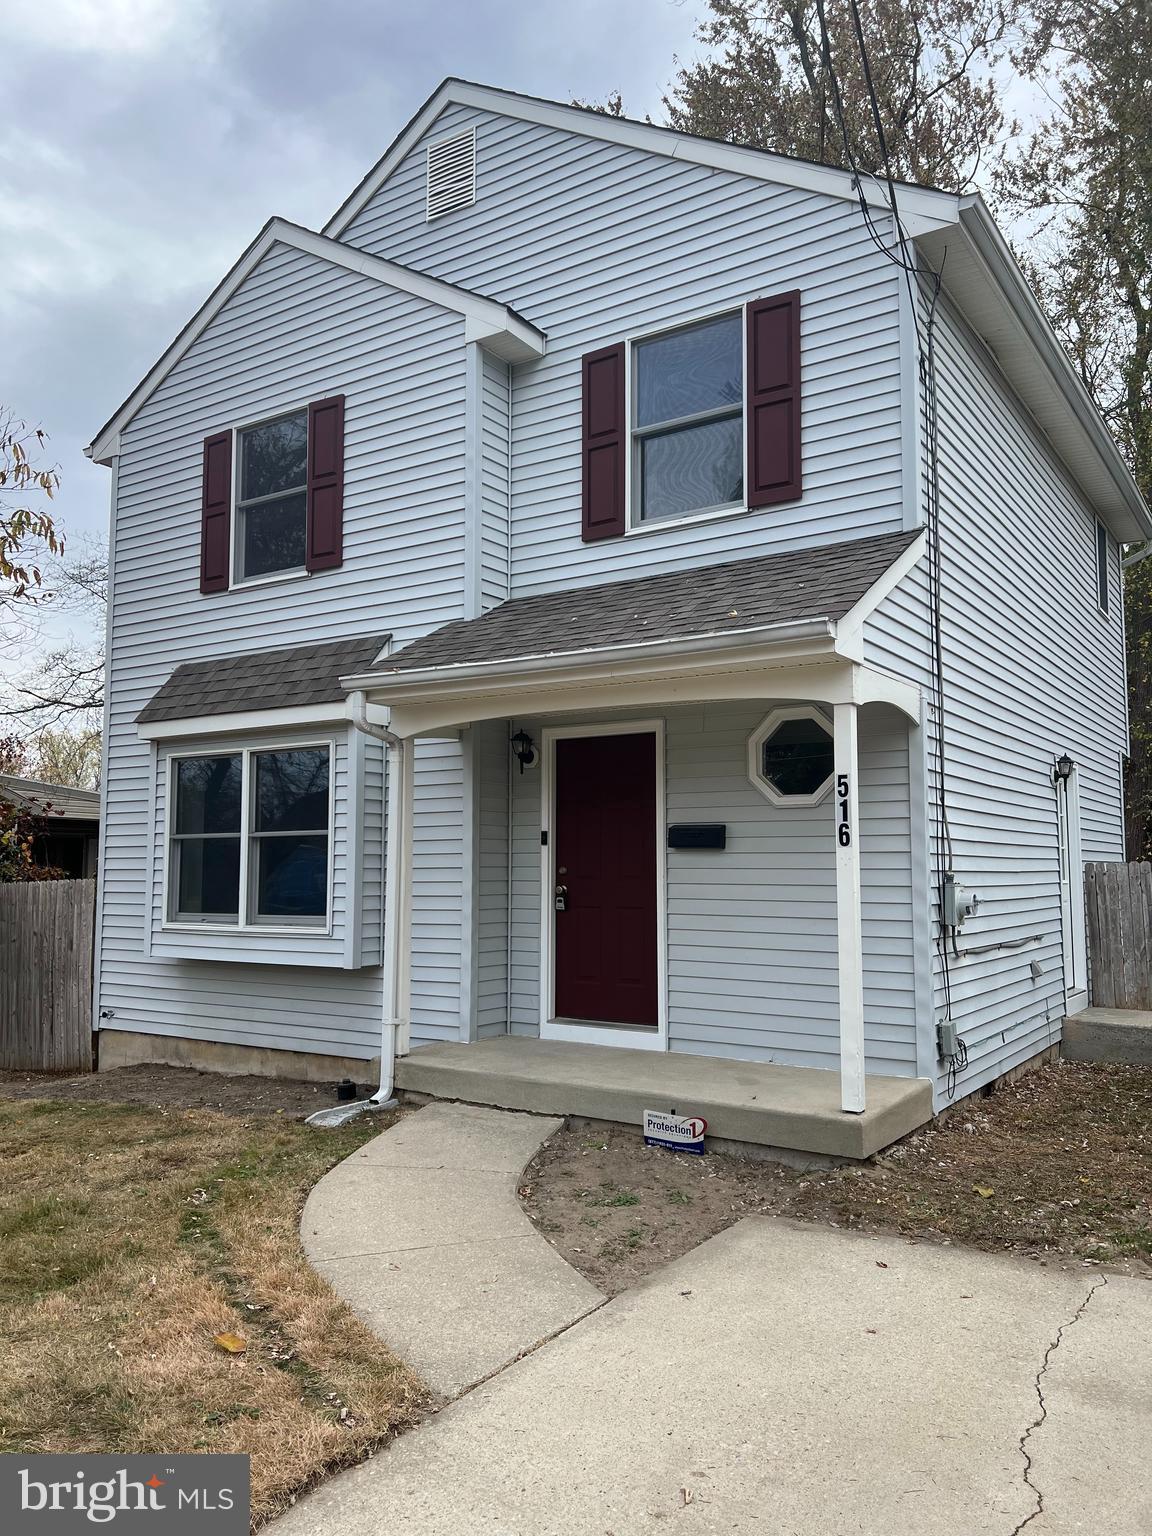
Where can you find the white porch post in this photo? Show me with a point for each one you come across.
(849, 939)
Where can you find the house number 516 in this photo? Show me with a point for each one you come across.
(843, 822)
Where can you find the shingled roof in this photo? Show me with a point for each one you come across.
(290, 677)
(811, 583)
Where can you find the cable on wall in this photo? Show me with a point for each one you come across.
(923, 286)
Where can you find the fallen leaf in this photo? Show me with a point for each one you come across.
(231, 1343)
(983, 1191)
(880, 1264)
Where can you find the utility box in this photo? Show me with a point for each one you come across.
(959, 903)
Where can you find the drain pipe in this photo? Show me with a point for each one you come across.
(395, 896)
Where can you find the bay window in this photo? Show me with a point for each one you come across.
(249, 838)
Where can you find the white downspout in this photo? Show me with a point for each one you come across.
(395, 899)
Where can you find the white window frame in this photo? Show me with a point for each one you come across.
(174, 924)
(235, 556)
(635, 523)
(761, 734)
(1101, 542)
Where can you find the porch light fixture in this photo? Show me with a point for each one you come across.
(1062, 769)
(524, 750)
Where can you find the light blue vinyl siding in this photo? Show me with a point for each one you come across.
(437, 891)
(492, 762)
(298, 329)
(1032, 669)
(495, 483)
(752, 963)
(595, 242)
(371, 835)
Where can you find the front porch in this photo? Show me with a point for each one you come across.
(796, 1109)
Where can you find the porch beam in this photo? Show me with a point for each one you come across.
(849, 929)
(434, 712)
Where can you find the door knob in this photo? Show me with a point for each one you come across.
(561, 898)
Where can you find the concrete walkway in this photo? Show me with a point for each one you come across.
(422, 1233)
(801, 1381)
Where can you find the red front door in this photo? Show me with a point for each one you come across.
(605, 860)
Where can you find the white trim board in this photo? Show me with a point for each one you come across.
(497, 327)
(335, 713)
(629, 1037)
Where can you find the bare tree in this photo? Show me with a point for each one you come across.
(27, 530)
(931, 80)
(1083, 184)
(63, 684)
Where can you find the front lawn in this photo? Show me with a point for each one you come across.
(130, 1237)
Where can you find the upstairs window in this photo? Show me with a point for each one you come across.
(272, 498)
(1102, 585)
(249, 838)
(688, 420)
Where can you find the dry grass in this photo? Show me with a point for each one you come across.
(129, 1237)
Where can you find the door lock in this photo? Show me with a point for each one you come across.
(561, 898)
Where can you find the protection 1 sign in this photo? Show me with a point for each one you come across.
(680, 1133)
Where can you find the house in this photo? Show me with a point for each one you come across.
(591, 629)
(69, 819)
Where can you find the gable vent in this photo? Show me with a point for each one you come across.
(452, 173)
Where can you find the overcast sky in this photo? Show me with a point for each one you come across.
(145, 142)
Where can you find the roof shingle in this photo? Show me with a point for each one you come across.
(821, 583)
(290, 677)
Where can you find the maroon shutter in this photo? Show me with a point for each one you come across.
(774, 468)
(604, 438)
(326, 484)
(216, 513)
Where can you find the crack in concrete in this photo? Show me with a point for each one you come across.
(1038, 1493)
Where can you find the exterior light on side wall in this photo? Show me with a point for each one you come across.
(1062, 769)
(524, 750)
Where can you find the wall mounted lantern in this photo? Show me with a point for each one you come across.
(524, 750)
(1062, 769)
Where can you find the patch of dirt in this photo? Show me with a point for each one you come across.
(177, 1088)
(1056, 1166)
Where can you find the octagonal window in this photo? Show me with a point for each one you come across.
(791, 756)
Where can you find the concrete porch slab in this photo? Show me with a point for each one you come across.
(797, 1108)
(1109, 1034)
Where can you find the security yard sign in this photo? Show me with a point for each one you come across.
(679, 1133)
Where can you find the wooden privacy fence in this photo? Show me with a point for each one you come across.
(1118, 906)
(46, 931)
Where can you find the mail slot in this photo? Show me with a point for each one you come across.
(697, 834)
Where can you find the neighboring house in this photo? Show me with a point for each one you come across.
(580, 480)
(70, 818)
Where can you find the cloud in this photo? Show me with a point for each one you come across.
(145, 142)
